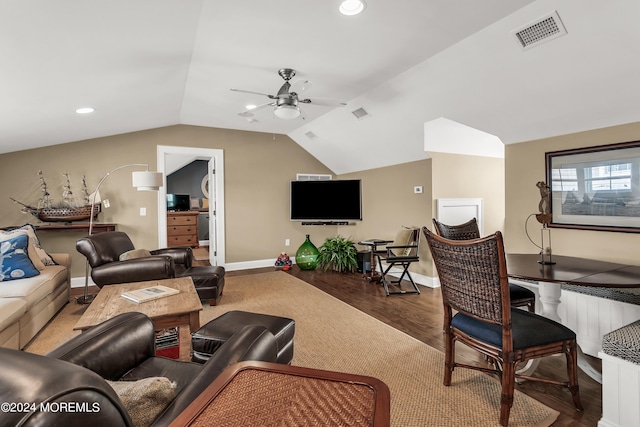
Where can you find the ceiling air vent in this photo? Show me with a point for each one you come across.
(312, 177)
(360, 113)
(542, 30)
(312, 136)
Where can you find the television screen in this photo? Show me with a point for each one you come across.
(338, 200)
(178, 202)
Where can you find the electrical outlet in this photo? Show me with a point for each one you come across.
(287, 242)
(417, 189)
(106, 203)
(143, 211)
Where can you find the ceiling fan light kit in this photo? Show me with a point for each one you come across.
(352, 7)
(287, 112)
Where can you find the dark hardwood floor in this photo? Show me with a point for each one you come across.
(421, 317)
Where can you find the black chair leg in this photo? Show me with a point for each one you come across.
(405, 271)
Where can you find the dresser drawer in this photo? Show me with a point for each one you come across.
(182, 219)
(182, 240)
(182, 230)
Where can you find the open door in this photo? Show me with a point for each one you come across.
(214, 187)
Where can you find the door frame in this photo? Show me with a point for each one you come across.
(217, 257)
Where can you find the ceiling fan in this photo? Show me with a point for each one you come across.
(286, 101)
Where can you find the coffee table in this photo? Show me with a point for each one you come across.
(261, 393)
(181, 310)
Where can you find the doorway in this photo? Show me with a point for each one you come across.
(171, 158)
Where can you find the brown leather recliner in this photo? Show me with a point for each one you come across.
(103, 252)
(119, 349)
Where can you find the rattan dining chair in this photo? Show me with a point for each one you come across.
(473, 279)
(520, 296)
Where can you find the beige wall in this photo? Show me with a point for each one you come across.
(525, 165)
(258, 168)
(388, 203)
(460, 176)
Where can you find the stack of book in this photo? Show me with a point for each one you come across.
(168, 343)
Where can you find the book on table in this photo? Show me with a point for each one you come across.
(149, 294)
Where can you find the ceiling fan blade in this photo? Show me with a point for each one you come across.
(324, 102)
(249, 113)
(254, 93)
(284, 90)
(300, 86)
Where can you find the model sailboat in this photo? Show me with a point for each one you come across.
(67, 209)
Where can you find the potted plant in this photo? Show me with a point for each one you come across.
(339, 254)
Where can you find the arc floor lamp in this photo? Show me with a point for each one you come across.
(142, 180)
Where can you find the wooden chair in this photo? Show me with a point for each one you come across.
(473, 277)
(403, 251)
(520, 296)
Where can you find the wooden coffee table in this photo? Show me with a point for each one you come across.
(182, 309)
(261, 393)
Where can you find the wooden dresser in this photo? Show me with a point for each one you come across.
(182, 228)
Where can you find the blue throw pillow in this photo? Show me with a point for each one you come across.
(14, 259)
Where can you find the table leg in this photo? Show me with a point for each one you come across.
(550, 299)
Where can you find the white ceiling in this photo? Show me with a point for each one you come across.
(151, 63)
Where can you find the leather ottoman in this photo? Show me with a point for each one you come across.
(208, 280)
(206, 340)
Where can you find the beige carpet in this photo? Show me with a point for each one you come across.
(334, 336)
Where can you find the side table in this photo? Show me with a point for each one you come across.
(261, 393)
(373, 244)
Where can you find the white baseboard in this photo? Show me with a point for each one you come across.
(245, 265)
(78, 282)
(420, 279)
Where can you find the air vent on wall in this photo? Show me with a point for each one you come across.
(312, 177)
(360, 113)
(540, 31)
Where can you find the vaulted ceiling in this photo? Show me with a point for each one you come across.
(151, 63)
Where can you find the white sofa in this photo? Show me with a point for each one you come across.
(26, 305)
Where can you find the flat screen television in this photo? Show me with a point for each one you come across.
(178, 202)
(335, 200)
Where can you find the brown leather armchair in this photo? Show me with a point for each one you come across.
(103, 252)
(119, 349)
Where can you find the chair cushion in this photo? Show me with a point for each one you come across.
(529, 329)
(623, 343)
(518, 292)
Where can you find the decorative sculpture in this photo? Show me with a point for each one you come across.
(544, 218)
(544, 206)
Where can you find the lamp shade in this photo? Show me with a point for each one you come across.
(287, 112)
(147, 180)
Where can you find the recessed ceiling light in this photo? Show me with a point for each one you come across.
(352, 7)
(250, 106)
(85, 110)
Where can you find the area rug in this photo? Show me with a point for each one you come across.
(332, 335)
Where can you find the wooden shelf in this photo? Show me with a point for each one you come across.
(74, 226)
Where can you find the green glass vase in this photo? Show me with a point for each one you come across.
(307, 255)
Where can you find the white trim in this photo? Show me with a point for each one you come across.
(200, 153)
(246, 265)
